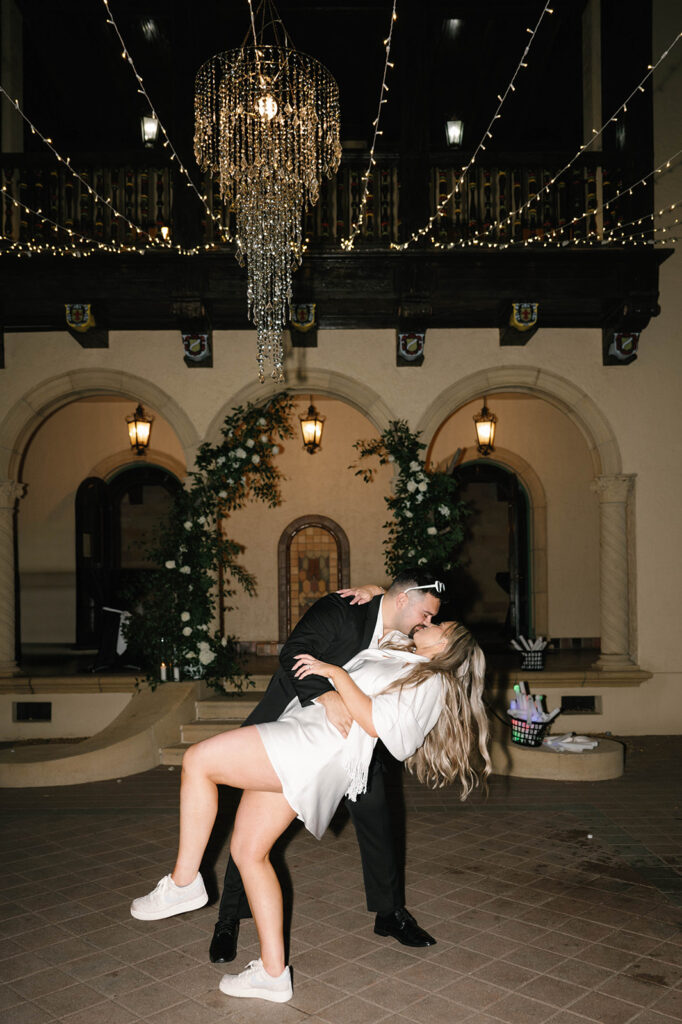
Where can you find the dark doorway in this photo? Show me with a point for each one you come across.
(115, 526)
(492, 583)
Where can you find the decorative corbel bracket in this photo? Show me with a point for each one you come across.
(195, 328)
(621, 335)
(414, 317)
(87, 323)
(519, 322)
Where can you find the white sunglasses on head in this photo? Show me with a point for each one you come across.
(436, 585)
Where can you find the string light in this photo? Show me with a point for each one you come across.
(596, 133)
(203, 199)
(628, 189)
(67, 163)
(487, 134)
(349, 242)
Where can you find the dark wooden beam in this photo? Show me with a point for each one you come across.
(575, 288)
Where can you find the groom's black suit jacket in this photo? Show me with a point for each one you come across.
(333, 630)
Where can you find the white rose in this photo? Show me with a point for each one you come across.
(170, 564)
(419, 497)
(255, 459)
(223, 641)
(187, 524)
(187, 631)
(261, 422)
(422, 561)
(407, 513)
(250, 443)
(264, 438)
(220, 460)
(391, 458)
(185, 617)
(206, 655)
(432, 530)
(222, 494)
(444, 510)
(240, 453)
(275, 449)
(411, 486)
(423, 487)
(202, 520)
(415, 467)
(185, 569)
(191, 654)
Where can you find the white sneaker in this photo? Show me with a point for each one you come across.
(255, 983)
(169, 899)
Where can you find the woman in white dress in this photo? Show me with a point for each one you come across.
(425, 704)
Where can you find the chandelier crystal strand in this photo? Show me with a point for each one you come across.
(267, 127)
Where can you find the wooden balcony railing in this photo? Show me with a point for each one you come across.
(510, 199)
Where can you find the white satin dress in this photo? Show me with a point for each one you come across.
(317, 766)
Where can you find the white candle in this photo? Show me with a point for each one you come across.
(163, 673)
(176, 674)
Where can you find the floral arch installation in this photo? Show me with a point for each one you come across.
(313, 559)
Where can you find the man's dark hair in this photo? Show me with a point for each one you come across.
(414, 578)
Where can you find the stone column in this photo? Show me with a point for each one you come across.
(10, 491)
(613, 494)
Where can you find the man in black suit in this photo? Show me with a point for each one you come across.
(334, 630)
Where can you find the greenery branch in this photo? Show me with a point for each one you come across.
(175, 619)
(426, 524)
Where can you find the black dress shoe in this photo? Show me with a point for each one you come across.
(403, 927)
(223, 946)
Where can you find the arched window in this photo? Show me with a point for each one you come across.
(313, 560)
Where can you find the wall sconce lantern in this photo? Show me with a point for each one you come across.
(139, 429)
(149, 126)
(485, 424)
(311, 428)
(454, 131)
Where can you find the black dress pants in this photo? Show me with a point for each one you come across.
(378, 851)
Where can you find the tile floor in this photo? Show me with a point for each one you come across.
(550, 902)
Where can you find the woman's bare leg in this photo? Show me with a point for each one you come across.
(261, 819)
(236, 758)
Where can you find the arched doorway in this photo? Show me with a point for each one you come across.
(313, 560)
(115, 526)
(492, 584)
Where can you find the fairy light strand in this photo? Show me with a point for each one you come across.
(487, 134)
(548, 235)
(167, 144)
(355, 228)
(596, 133)
(66, 161)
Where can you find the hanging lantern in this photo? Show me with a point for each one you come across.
(139, 429)
(311, 428)
(485, 424)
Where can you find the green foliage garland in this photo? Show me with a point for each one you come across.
(426, 527)
(174, 621)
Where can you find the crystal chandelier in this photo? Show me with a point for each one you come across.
(267, 127)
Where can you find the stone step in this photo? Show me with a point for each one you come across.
(225, 708)
(173, 755)
(194, 732)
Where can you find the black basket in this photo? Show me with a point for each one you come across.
(528, 734)
(533, 661)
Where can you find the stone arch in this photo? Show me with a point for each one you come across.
(37, 405)
(558, 391)
(322, 382)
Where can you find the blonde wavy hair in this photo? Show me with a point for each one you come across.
(458, 743)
